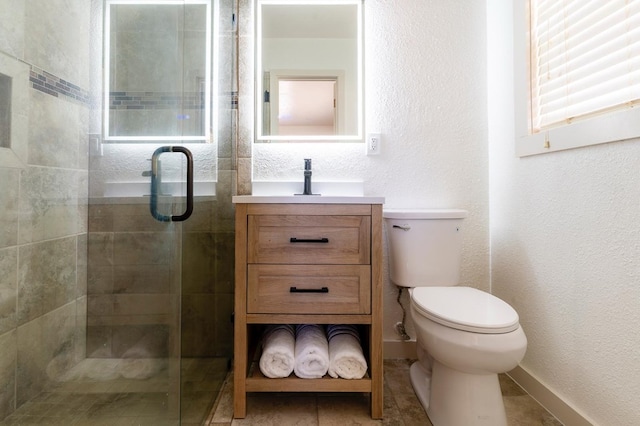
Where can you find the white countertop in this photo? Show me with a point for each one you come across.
(306, 199)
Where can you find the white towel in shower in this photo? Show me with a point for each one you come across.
(346, 359)
(312, 351)
(278, 351)
(140, 361)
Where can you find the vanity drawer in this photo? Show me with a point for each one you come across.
(291, 239)
(309, 289)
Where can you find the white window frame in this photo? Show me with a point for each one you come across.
(617, 126)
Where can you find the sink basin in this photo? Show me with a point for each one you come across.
(328, 193)
(306, 199)
(319, 187)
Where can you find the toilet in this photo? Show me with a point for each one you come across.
(465, 337)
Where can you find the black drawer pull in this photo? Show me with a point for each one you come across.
(309, 290)
(306, 240)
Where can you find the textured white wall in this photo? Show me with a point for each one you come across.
(565, 251)
(124, 162)
(426, 94)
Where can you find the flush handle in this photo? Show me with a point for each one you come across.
(403, 227)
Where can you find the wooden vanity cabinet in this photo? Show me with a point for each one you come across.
(282, 252)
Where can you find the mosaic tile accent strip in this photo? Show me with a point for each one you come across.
(155, 100)
(55, 86)
(234, 99)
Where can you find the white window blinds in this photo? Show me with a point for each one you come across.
(585, 59)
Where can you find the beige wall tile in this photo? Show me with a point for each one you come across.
(9, 207)
(141, 279)
(198, 262)
(81, 265)
(100, 249)
(45, 350)
(8, 358)
(49, 204)
(8, 289)
(46, 277)
(198, 325)
(53, 131)
(147, 248)
(55, 26)
(143, 304)
(12, 18)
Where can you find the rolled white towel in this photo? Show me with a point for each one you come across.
(278, 351)
(345, 352)
(312, 351)
(142, 368)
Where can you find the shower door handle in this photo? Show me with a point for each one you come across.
(155, 183)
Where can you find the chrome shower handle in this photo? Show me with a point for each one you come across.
(155, 180)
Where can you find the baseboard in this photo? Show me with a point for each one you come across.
(549, 400)
(399, 349)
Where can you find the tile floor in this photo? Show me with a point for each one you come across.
(122, 406)
(94, 398)
(401, 407)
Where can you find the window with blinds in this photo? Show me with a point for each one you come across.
(584, 60)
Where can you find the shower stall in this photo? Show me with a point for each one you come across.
(116, 220)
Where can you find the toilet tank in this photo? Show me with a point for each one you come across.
(424, 246)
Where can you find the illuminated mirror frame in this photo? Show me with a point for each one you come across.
(260, 137)
(211, 77)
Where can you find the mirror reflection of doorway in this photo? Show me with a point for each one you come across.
(309, 40)
(303, 103)
(306, 106)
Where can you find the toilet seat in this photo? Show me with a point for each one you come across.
(466, 309)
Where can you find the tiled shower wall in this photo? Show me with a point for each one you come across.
(44, 211)
(207, 275)
(132, 296)
(132, 306)
(43, 204)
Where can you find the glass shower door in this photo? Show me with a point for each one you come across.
(156, 97)
(133, 358)
(110, 314)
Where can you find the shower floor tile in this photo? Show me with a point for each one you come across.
(80, 400)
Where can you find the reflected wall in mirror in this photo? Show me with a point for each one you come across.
(158, 81)
(309, 70)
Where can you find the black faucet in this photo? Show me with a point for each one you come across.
(307, 178)
(158, 177)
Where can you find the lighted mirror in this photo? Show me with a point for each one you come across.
(158, 81)
(309, 70)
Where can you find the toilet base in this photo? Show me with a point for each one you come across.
(421, 382)
(458, 398)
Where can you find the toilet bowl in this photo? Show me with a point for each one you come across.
(467, 352)
(465, 337)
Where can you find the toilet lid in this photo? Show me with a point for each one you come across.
(465, 308)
